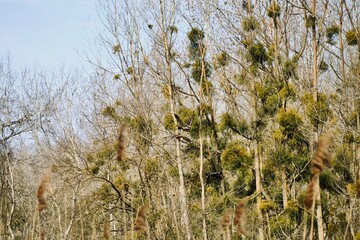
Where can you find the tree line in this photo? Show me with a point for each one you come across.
(200, 120)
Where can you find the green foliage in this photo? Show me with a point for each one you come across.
(278, 136)
(352, 37)
(247, 42)
(244, 184)
(266, 206)
(116, 49)
(201, 70)
(273, 11)
(173, 171)
(331, 33)
(288, 92)
(96, 161)
(168, 122)
(282, 157)
(341, 163)
(152, 168)
(204, 125)
(207, 88)
(173, 29)
(324, 203)
(261, 91)
(329, 182)
(241, 78)
(290, 122)
(110, 112)
(165, 91)
(310, 21)
(323, 66)
(130, 70)
(211, 170)
(272, 94)
(214, 178)
(257, 53)
(271, 54)
(120, 182)
(117, 76)
(105, 152)
(349, 137)
(105, 193)
(19, 221)
(196, 48)
(258, 125)
(294, 210)
(289, 69)
(318, 112)
(185, 115)
(281, 224)
(353, 189)
(250, 24)
(352, 118)
(269, 173)
(235, 156)
(144, 129)
(222, 59)
(290, 150)
(239, 126)
(355, 71)
(196, 35)
(271, 105)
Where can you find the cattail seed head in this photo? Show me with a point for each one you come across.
(225, 222)
(106, 229)
(41, 192)
(140, 224)
(121, 143)
(310, 192)
(321, 156)
(239, 216)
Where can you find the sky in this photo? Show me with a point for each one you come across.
(47, 33)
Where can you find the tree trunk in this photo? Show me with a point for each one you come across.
(182, 190)
(342, 58)
(258, 190)
(202, 187)
(284, 188)
(320, 223)
(257, 160)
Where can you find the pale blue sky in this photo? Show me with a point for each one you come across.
(47, 33)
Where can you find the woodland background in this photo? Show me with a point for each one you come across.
(223, 102)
